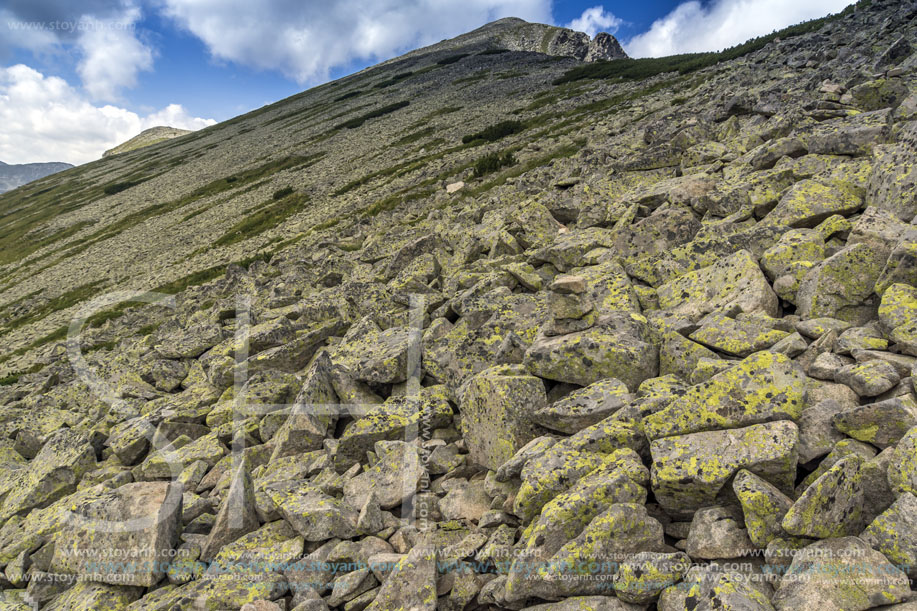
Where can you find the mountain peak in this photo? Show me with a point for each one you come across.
(146, 138)
(515, 34)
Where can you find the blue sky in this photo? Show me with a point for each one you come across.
(78, 76)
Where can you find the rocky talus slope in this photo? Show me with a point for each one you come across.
(146, 138)
(552, 336)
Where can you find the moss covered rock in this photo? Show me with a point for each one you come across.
(762, 388)
(734, 281)
(689, 471)
(842, 285)
(498, 409)
(763, 506)
(841, 573)
(584, 407)
(902, 470)
(614, 348)
(832, 505)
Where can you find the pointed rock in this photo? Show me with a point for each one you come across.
(237, 515)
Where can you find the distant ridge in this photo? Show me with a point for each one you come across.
(12, 176)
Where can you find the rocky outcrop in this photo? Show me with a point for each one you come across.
(513, 34)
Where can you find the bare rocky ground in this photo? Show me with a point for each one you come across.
(663, 357)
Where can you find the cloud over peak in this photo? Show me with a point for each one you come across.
(307, 39)
(595, 20)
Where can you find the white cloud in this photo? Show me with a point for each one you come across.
(111, 54)
(45, 119)
(100, 34)
(306, 39)
(595, 20)
(692, 27)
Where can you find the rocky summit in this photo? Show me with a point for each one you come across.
(509, 322)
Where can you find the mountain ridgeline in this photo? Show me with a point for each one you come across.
(15, 175)
(512, 321)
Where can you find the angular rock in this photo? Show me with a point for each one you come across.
(397, 418)
(392, 480)
(313, 414)
(584, 407)
(717, 532)
(53, 473)
(377, 356)
(881, 424)
(832, 505)
(641, 579)
(564, 463)
(763, 506)
(498, 410)
(842, 286)
(91, 595)
(734, 281)
(715, 587)
(581, 565)
(689, 471)
(809, 202)
(312, 513)
(411, 584)
(902, 470)
(817, 433)
(237, 515)
(868, 379)
(614, 348)
(898, 306)
(621, 478)
(123, 537)
(190, 342)
(843, 574)
(762, 388)
(894, 533)
(736, 338)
